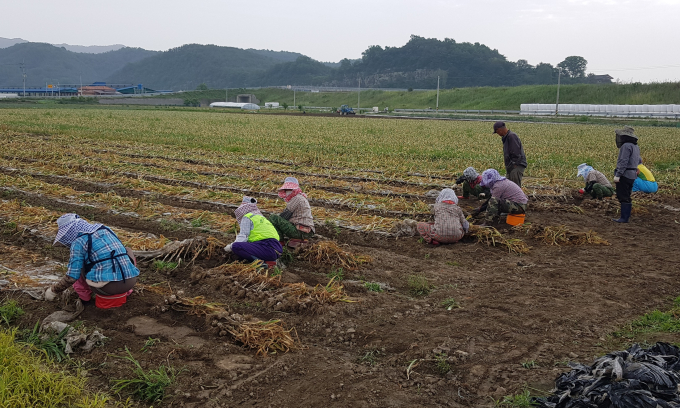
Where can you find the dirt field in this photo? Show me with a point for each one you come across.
(550, 306)
(515, 322)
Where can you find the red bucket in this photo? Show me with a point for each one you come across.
(109, 302)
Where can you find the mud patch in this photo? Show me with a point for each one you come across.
(147, 326)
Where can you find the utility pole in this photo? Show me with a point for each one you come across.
(23, 73)
(81, 84)
(359, 98)
(557, 103)
(294, 105)
(437, 93)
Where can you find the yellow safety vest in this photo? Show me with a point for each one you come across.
(262, 228)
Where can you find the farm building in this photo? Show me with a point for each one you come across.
(95, 89)
(54, 91)
(247, 98)
(98, 90)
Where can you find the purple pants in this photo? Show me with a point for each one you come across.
(265, 250)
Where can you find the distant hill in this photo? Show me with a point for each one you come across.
(8, 42)
(421, 60)
(47, 63)
(89, 49)
(302, 71)
(283, 56)
(186, 67)
(417, 64)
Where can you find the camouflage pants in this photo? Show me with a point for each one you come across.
(599, 191)
(467, 190)
(286, 229)
(497, 206)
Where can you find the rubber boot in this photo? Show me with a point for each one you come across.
(625, 212)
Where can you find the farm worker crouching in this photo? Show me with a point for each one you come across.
(472, 184)
(99, 263)
(645, 181)
(449, 224)
(296, 220)
(626, 169)
(257, 237)
(513, 153)
(597, 184)
(506, 196)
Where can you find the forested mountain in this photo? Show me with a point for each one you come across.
(47, 63)
(417, 64)
(281, 56)
(420, 61)
(302, 71)
(190, 65)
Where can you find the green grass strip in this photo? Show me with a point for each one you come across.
(29, 379)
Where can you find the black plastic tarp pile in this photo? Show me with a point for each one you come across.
(634, 378)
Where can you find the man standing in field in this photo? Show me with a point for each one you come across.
(626, 169)
(513, 153)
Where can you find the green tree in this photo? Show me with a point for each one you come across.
(202, 87)
(574, 66)
(285, 106)
(544, 73)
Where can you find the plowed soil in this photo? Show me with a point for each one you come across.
(555, 304)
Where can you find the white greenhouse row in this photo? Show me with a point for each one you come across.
(670, 111)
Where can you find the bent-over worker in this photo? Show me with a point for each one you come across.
(449, 224)
(471, 181)
(257, 238)
(506, 196)
(99, 263)
(296, 221)
(645, 181)
(597, 184)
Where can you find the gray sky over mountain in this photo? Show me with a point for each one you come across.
(630, 40)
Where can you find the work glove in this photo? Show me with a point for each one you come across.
(227, 248)
(482, 195)
(616, 179)
(582, 191)
(50, 295)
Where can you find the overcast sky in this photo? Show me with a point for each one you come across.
(630, 40)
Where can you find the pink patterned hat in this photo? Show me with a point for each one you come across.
(290, 183)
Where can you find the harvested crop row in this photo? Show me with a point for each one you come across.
(385, 203)
(397, 199)
(263, 336)
(20, 217)
(248, 281)
(492, 237)
(143, 197)
(111, 201)
(236, 163)
(562, 235)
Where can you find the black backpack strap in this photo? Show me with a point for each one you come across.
(112, 256)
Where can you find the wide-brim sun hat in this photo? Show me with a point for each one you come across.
(626, 131)
(65, 223)
(290, 183)
(70, 225)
